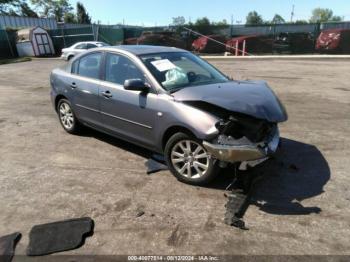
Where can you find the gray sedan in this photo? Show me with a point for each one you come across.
(171, 102)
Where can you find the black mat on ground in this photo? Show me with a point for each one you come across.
(59, 236)
(8, 245)
(156, 164)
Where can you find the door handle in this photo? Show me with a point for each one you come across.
(107, 94)
(73, 85)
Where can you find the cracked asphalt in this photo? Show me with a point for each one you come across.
(301, 207)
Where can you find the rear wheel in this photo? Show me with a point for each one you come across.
(189, 161)
(67, 118)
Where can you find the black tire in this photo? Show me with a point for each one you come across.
(70, 57)
(75, 126)
(205, 178)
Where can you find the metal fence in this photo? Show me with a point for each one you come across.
(112, 36)
(273, 29)
(334, 25)
(7, 44)
(64, 35)
(22, 22)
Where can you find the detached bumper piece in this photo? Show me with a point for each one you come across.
(243, 150)
(236, 206)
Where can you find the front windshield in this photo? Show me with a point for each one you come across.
(177, 70)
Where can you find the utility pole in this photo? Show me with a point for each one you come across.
(231, 25)
(292, 14)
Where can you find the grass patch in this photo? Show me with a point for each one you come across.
(15, 60)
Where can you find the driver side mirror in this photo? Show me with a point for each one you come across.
(136, 85)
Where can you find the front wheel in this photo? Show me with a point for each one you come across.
(189, 161)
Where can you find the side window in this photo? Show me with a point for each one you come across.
(75, 66)
(89, 46)
(89, 65)
(81, 46)
(120, 68)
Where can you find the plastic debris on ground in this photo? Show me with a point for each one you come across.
(239, 198)
(156, 164)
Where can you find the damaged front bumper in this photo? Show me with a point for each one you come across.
(243, 150)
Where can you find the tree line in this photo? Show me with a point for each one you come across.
(61, 10)
(318, 15)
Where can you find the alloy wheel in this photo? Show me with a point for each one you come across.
(66, 115)
(190, 159)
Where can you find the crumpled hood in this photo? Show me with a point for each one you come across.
(253, 98)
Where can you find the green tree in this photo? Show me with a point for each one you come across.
(222, 23)
(82, 15)
(179, 21)
(70, 18)
(16, 8)
(278, 19)
(253, 18)
(336, 18)
(321, 15)
(8, 7)
(203, 25)
(27, 11)
(53, 8)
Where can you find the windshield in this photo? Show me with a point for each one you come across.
(179, 70)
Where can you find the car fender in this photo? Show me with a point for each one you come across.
(198, 122)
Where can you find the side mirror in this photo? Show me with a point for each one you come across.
(135, 85)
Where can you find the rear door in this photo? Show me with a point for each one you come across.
(130, 114)
(85, 84)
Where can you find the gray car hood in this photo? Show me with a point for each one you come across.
(253, 98)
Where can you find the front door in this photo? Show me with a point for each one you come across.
(130, 114)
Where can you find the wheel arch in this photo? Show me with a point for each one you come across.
(70, 56)
(172, 131)
(57, 99)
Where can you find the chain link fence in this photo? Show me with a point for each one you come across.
(66, 35)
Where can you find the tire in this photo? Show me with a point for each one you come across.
(192, 166)
(67, 118)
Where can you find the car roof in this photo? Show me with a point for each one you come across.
(88, 42)
(144, 49)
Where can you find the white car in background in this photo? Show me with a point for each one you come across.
(80, 47)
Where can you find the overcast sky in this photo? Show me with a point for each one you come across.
(160, 12)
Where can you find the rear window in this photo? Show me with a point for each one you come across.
(102, 44)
